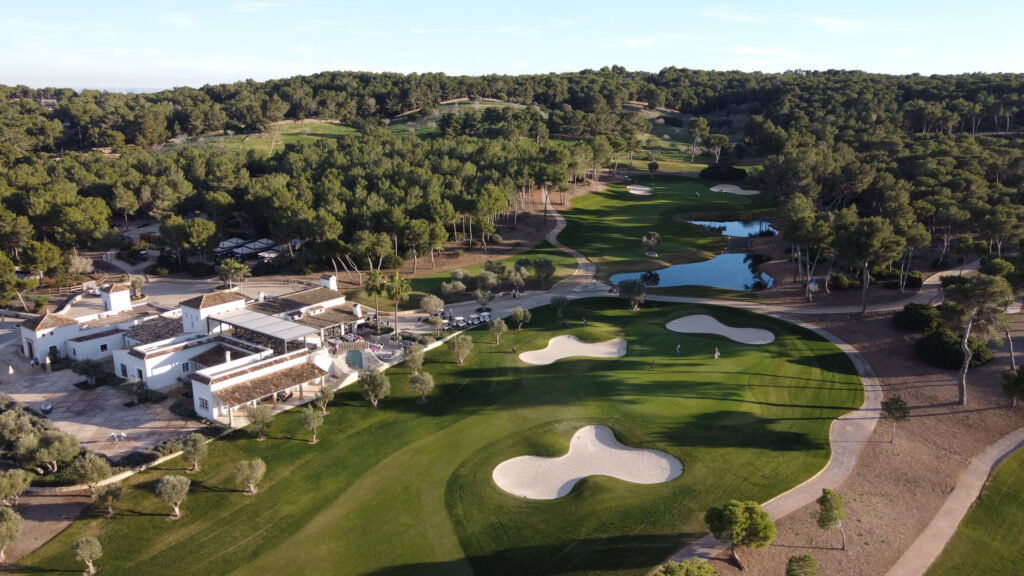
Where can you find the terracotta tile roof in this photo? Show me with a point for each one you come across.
(116, 288)
(155, 330)
(329, 317)
(268, 384)
(313, 296)
(88, 337)
(212, 299)
(47, 321)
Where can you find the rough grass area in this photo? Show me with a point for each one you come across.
(607, 226)
(989, 539)
(407, 489)
(278, 135)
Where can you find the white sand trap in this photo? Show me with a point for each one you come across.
(703, 324)
(593, 451)
(639, 190)
(734, 189)
(568, 346)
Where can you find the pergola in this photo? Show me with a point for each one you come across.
(250, 392)
(279, 334)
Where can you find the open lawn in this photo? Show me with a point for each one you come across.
(278, 135)
(565, 265)
(407, 488)
(989, 540)
(607, 226)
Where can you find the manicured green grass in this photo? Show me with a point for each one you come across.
(990, 539)
(278, 135)
(407, 489)
(607, 226)
(565, 265)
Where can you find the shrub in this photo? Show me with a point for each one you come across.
(135, 459)
(496, 239)
(159, 271)
(995, 266)
(39, 306)
(948, 281)
(838, 281)
(723, 172)
(392, 261)
(914, 280)
(918, 318)
(941, 348)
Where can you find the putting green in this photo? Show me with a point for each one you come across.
(607, 226)
(407, 488)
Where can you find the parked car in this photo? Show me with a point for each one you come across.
(145, 223)
(485, 316)
(446, 325)
(144, 254)
(474, 319)
(459, 322)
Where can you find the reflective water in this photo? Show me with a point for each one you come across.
(736, 228)
(728, 271)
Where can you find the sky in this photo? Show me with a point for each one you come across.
(156, 44)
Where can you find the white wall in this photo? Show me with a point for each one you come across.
(94, 349)
(42, 342)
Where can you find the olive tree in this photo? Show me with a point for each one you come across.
(88, 550)
(11, 525)
(13, 484)
(324, 398)
(248, 474)
(260, 418)
(461, 346)
(743, 524)
(375, 386)
(520, 316)
(172, 490)
(194, 449)
(498, 327)
(312, 419)
(108, 495)
(414, 358)
(559, 303)
(431, 304)
(422, 384)
(633, 290)
(90, 468)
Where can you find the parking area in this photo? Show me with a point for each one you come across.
(98, 418)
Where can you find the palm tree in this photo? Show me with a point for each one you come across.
(398, 289)
(374, 286)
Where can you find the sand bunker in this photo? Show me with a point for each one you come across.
(567, 346)
(734, 189)
(593, 451)
(703, 324)
(639, 190)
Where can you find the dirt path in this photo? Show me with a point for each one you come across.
(45, 516)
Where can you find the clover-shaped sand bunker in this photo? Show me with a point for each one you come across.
(734, 189)
(704, 324)
(566, 346)
(593, 451)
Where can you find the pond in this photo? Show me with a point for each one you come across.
(728, 271)
(736, 228)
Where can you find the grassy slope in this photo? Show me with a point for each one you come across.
(565, 265)
(989, 540)
(607, 226)
(287, 133)
(406, 489)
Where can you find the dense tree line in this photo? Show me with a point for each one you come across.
(871, 169)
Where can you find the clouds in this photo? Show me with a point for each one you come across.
(178, 20)
(841, 26)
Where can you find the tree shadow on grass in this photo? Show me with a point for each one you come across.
(733, 429)
(25, 569)
(588, 555)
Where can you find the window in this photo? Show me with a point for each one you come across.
(184, 367)
(74, 351)
(139, 372)
(103, 347)
(124, 371)
(203, 404)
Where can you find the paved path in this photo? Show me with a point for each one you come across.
(929, 544)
